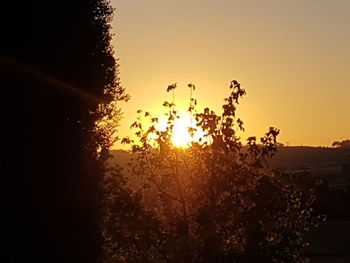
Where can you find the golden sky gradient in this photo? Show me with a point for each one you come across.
(292, 57)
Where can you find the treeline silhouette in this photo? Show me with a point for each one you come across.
(55, 62)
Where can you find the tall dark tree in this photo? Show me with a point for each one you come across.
(56, 66)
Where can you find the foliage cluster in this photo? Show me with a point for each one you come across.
(215, 201)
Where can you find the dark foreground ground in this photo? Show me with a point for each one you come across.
(330, 242)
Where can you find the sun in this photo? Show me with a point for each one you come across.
(181, 136)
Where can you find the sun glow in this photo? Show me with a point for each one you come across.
(181, 136)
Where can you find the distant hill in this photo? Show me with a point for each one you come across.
(287, 158)
(332, 164)
(303, 157)
(120, 157)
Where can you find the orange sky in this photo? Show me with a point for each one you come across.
(292, 57)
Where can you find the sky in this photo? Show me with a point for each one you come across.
(292, 57)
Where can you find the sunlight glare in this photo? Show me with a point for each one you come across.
(181, 136)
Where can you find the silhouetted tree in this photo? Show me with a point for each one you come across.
(342, 144)
(215, 201)
(56, 66)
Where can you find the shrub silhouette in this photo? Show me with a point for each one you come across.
(215, 201)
